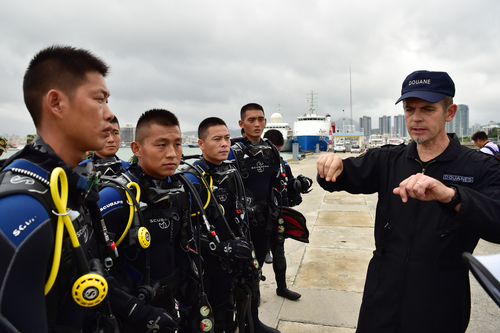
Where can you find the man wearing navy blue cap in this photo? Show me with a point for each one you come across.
(436, 199)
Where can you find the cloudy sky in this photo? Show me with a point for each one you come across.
(208, 58)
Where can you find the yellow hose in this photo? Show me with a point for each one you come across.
(61, 202)
(131, 215)
(208, 192)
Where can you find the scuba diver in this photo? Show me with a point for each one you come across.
(148, 210)
(228, 265)
(105, 159)
(295, 187)
(264, 178)
(52, 242)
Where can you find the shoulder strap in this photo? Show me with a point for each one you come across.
(492, 150)
(239, 156)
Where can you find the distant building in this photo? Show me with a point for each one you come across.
(476, 128)
(460, 123)
(365, 125)
(384, 124)
(489, 127)
(127, 134)
(400, 126)
(189, 139)
(349, 128)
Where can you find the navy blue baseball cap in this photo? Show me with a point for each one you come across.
(429, 86)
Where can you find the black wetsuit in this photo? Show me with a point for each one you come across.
(221, 274)
(27, 234)
(111, 166)
(151, 277)
(263, 174)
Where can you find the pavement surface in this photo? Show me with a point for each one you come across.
(330, 270)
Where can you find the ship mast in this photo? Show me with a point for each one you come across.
(310, 100)
(350, 93)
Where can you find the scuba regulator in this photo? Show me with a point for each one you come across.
(91, 287)
(137, 234)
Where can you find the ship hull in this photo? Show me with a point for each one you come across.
(308, 142)
(287, 146)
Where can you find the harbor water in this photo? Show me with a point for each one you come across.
(125, 153)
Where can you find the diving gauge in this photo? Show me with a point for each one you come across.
(204, 310)
(206, 325)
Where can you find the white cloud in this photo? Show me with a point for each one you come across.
(200, 59)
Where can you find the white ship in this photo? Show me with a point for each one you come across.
(310, 129)
(277, 123)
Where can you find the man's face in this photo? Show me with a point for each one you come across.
(253, 124)
(161, 151)
(87, 116)
(112, 143)
(425, 121)
(216, 145)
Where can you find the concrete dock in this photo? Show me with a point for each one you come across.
(330, 270)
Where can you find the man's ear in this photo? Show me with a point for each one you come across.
(200, 143)
(451, 112)
(240, 122)
(136, 149)
(55, 101)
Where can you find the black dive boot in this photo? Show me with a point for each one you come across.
(282, 290)
(259, 326)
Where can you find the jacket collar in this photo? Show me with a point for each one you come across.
(447, 155)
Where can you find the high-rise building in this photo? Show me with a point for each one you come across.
(476, 128)
(127, 134)
(400, 126)
(365, 125)
(460, 123)
(384, 125)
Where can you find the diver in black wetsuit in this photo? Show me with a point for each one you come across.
(105, 159)
(156, 268)
(295, 187)
(259, 164)
(226, 265)
(66, 95)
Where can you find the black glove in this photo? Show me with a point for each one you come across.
(143, 317)
(148, 318)
(234, 249)
(301, 184)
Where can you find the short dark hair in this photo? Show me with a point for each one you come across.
(275, 137)
(206, 124)
(57, 67)
(115, 121)
(480, 136)
(250, 107)
(154, 116)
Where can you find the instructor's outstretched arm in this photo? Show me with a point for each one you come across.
(330, 166)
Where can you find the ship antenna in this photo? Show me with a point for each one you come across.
(350, 92)
(311, 102)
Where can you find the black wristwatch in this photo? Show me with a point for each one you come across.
(455, 200)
